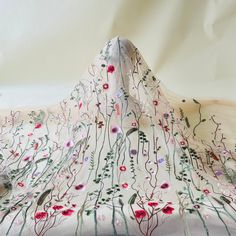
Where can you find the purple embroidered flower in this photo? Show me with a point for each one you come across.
(161, 160)
(133, 152)
(218, 173)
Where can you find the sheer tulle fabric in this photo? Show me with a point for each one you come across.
(115, 158)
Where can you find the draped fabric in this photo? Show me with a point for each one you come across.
(115, 158)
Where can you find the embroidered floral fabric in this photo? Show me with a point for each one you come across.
(115, 159)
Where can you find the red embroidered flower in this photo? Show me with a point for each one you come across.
(57, 207)
(67, 212)
(100, 124)
(165, 186)
(139, 214)
(74, 205)
(110, 69)
(166, 128)
(167, 210)
(105, 86)
(79, 187)
(155, 102)
(125, 185)
(40, 215)
(21, 184)
(122, 168)
(37, 126)
(152, 204)
(206, 191)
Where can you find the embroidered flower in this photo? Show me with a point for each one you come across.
(122, 168)
(110, 69)
(36, 145)
(40, 215)
(105, 86)
(155, 102)
(196, 206)
(115, 129)
(182, 143)
(57, 207)
(218, 173)
(166, 115)
(125, 185)
(166, 128)
(165, 186)
(140, 214)
(67, 212)
(161, 160)
(152, 204)
(100, 124)
(69, 144)
(206, 191)
(133, 152)
(21, 184)
(37, 126)
(27, 158)
(79, 187)
(168, 210)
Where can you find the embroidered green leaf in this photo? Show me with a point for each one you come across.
(132, 199)
(130, 131)
(43, 196)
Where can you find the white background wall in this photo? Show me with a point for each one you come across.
(46, 45)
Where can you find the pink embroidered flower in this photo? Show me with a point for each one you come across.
(110, 69)
(125, 185)
(165, 186)
(57, 207)
(115, 129)
(182, 143)
(69, 144)
(152, 204)
(79, 187)
(105, 86)
(30, 134)
(139, 214)
(36, 146)
(122, 168)
(37, 126)
(134, 124)
(168, 210)
(27, 158)
(21, 184)
(67, 212)
(40, 215)
(206, 191)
